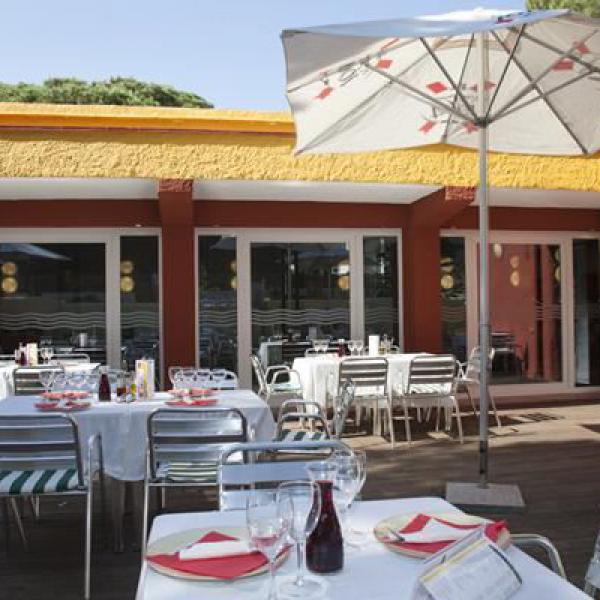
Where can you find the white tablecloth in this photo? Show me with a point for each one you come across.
(320, 374)
(373, 572)
(6, 376)
(123, 426)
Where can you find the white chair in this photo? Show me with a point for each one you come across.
(341, 407)
(468, 376)
(277, 383)
(222, 379)
(183, 449)
(269, 464)
(527, 541)
(71, 358)
(431, 385)
(369, 377)
(26, 380)
(308, 420)
(592, 576)
(41, 456)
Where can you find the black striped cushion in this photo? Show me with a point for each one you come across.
(38, 482)
(295, 435)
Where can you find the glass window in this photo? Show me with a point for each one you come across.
(380, 268)
(139, 299)
(54, 294)
(300, 291)
(586, 283)
(453, 291)
(217, 297)
(525, 313)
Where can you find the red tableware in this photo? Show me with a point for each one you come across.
(47, 405)
(200, 392)
(192, 402)
(52, 395)
(179, 392)
(75, 394)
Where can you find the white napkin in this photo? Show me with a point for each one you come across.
(436, 531)
(215, 549)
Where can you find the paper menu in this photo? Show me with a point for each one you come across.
(473, 568)
(144, 378)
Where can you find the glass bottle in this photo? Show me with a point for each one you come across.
(104, 387)
(325, 545)
(341, 348)
(22, 356)
(122, 382)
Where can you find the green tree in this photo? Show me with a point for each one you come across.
(587, 7)
(124, 91)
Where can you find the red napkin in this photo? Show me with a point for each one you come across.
(52, 395)
(47, 405)
(493, 531)
(228, 567)
(193, 402)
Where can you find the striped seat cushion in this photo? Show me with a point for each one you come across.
(189, 472)
(38, 482)
(297, 435)
(286, 386)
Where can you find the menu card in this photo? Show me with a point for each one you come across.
(473, 568)
(144, 378)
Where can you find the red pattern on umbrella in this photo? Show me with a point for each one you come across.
(427, 126)
(581, 48)
(565, 64)
(437, 87)
(324, 93)
(384, 63)
(489, 85)
(470, 127)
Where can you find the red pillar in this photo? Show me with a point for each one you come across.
(421, 262)
(178, 272)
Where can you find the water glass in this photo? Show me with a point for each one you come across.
(47, 378)
(268, 525)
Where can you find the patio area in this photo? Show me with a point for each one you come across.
(551, 452)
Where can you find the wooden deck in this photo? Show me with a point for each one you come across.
(552, 453)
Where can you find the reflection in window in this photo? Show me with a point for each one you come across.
(453, 291)
(586, 283)
(525, 313)
(380, 267)
(217, 297)
(53, 294)
(139, 299)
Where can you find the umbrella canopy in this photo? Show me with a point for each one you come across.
(524, 82)
(410, 82)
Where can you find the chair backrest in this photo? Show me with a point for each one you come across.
(40, 443)
(273, 463)
(261, 378)
(224, 379)
(432, 374)
(7, 359)
(292, 350)
(26, 380)
(473, 367)
(341, 407)
(71, 358)
(192, 434)
(366, 374)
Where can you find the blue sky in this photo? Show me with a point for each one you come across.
(226, 50)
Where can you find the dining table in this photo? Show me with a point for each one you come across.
(370, 571)
(319, 374)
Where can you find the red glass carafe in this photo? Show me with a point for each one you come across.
(325, 545)
(104, 387)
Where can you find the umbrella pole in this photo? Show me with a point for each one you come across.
(484, 307)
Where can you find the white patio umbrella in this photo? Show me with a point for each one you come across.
(524, 82)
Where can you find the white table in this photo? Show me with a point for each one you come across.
(373, 572)
(6, 375)
(320, 374)
(123, 426)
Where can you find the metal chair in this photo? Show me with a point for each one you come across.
(26, 380)
(222, 379)
(41, 456)
(183, 449)
(309, 420)
(269, 464)
(293, 350)
(71, 358)
(341, 408)
(468, 375)
(526, 541)
(431, 385)
(591, 583)
(370, 379)
(277, 383)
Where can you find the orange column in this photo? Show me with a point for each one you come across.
(178, 272)
(421, 262)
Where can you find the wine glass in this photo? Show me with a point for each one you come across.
(351, 476)
(46, 353)
(218, 377)
(304, 500)
(352, 347)
(268, 524)
(359, 347)
(172, 372)
(47, 378)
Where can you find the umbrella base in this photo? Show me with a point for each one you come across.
(493, 498)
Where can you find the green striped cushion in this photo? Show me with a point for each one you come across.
(285, 387)
(192, 472)
(295, 435)
(38, 482)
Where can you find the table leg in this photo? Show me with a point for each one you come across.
(117, 511)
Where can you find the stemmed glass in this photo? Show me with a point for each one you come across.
(352, 347)
(268, 524)
(350, 479)
(218, 378)
(46, 353)
(359, 347)
(47, 378)
(172, 372)
(304, 500)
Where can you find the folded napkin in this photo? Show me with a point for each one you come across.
(214, 549)
(218, 567)
(193, 402)
(428, 534)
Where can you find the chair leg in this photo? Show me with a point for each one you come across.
(407, 423)
(471, 400)
(390, 415)
(145, 512)
(495, 410)
(5, 518)
(88, 539)
(458, 421)
(103, 508)
(437, 418)
(34, 504)
(17, 515)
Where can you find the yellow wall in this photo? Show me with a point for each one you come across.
(83, 141)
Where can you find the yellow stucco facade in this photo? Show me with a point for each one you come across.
(112, 141)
